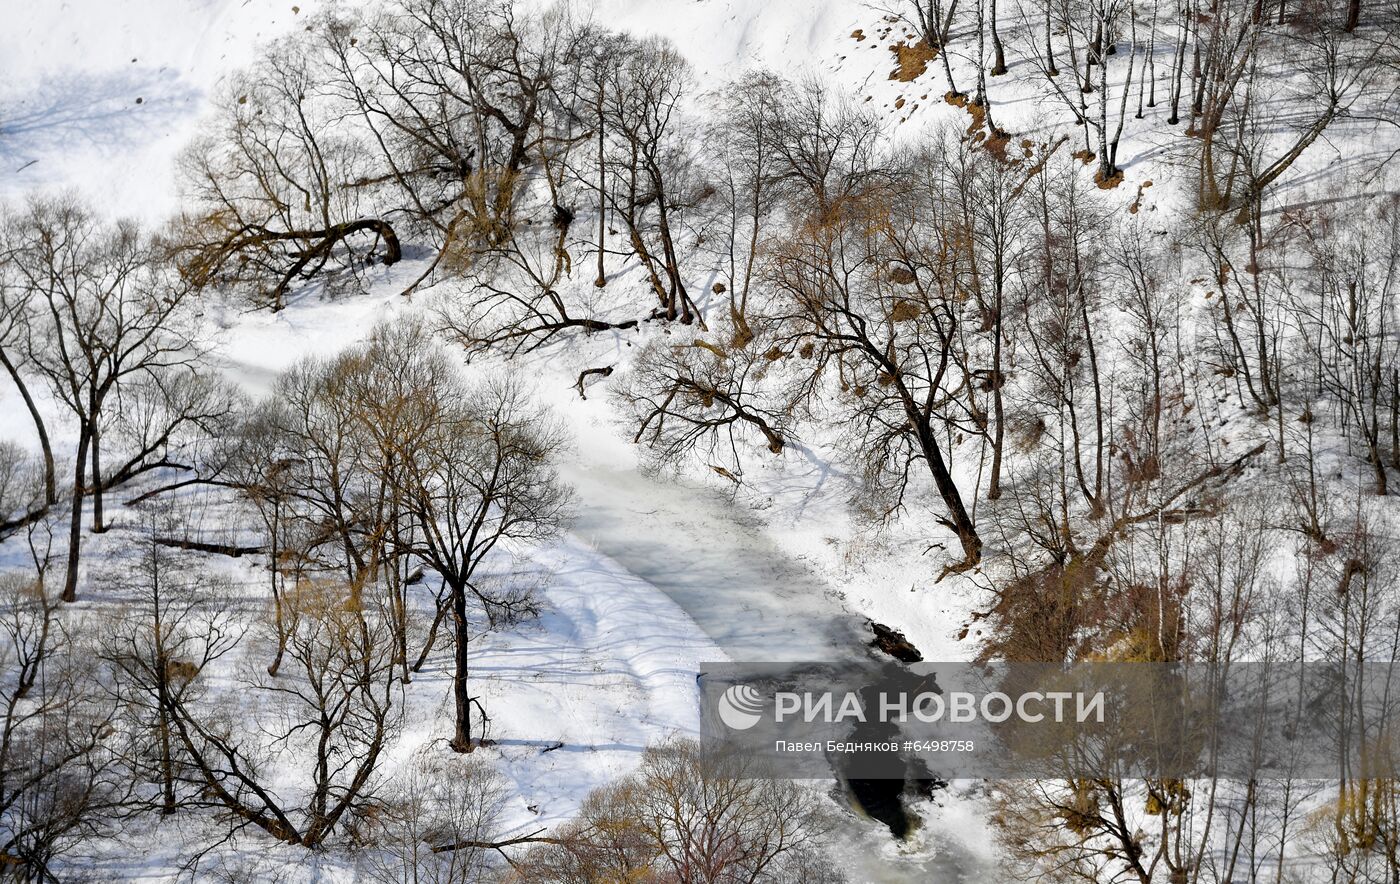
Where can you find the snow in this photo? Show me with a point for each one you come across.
(656, 576)
(714, 561)
(101, 97)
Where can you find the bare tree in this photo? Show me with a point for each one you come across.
(1240, 152)
(59, 777)
(16, 324)
(112, 315)
(518, 301)
(172, 628)
(275, 187)
(690, 814)
(705, 398)
(747, 138)
(338, 714)
(1352, 334)
(827, 150)
(459, 100)
(987, 195)
(480, 479)
(593, 67)
(866, 297)
(441, 823)
(1097, 96)
(21, 489)
(934, 20)
(1062, 298)
(650, 189)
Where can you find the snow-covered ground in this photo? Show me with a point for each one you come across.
(653, 579)
(102, 97)
(655, 576)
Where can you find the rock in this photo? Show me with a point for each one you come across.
(893, 642)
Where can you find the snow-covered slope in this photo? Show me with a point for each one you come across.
(101, 97)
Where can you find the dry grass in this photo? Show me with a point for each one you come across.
(911, 60)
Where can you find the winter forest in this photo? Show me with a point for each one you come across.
(404, 399)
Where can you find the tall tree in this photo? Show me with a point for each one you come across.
(112, 313)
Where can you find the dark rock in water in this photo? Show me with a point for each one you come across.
(893, 642)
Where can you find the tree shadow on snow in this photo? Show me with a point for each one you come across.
(80, 109)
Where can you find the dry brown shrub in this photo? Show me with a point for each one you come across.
(905, 311)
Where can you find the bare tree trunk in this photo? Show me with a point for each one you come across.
(167, 766)
(998, 407)
(983, 97)
(162, 676)
(998, 51)
(462, 735)
(401, 630)
(602, 279)
(953, 92)
(1098, 401)
(97, 526)
(279, 619)
(50, 484)
(402, 579)
(75, 525)
(958, 519)
(1377, 466)
(1106, 167)
(1373, 429)
(428, 644)
(678, 305)
(1178, 70)
(1395, 418)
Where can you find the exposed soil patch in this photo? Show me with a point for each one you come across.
(911, 60)
(1137, 201)
(992, 139)
(1110, 182)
